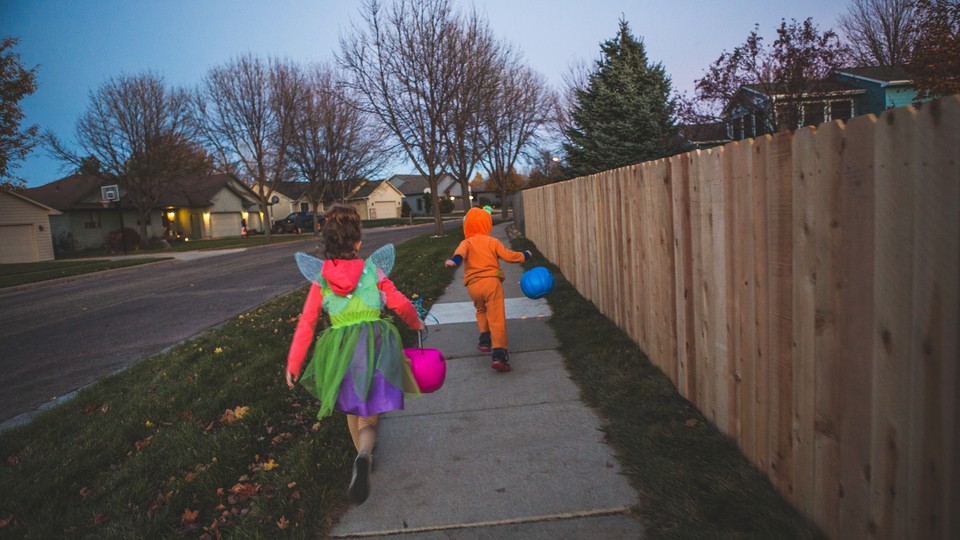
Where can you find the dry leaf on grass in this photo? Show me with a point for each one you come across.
(189, 516)
(283, 523)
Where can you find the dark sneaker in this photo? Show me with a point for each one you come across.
(501, 360)
(484, 345)
(359, 488)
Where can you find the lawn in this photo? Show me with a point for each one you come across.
(23, 273)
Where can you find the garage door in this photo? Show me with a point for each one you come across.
(18, 244)
(384, 210)
(225, 225)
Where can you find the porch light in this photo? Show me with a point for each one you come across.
(246, 215)
(171, 215)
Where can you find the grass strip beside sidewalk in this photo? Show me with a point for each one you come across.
(203, 440)
(693, 480)
(12, 275)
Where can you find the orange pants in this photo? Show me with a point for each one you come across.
(487, 296)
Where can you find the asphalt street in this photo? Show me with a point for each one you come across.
(62, 335)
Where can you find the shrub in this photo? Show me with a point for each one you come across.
(446, 206)
(128, 238)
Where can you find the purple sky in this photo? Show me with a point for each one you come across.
(79, 44)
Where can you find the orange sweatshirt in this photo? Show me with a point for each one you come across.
(481, 252)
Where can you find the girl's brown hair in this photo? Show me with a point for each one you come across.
(341, 232)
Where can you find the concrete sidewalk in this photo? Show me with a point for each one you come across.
(495, 455)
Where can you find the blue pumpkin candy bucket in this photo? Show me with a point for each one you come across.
(536, 282)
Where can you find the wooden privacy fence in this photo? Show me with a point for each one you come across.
(803, 291)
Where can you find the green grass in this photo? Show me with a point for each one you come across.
(23, 273)
(135, 455)
(693, 480)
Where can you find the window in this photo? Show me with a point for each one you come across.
(304, 207)
(759, 123)
(813, 113)
(93, 221)
(841, 110)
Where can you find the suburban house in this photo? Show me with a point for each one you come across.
(372, 199)
(213, 206)
(884, 87)
(25, 235)
(415, 186)
(376, 199)
(758, 110)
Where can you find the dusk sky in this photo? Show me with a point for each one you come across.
(81, 44)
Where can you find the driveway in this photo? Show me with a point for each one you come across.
(63, 335)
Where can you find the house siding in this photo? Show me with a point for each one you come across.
(18, 214)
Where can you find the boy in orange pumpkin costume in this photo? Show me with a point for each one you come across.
(481, 255)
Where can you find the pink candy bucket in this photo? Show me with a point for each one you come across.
(429, 368)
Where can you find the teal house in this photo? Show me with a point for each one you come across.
(885, 87)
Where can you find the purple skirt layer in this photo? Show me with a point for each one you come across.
(382, 397)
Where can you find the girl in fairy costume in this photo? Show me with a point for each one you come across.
(358, 364)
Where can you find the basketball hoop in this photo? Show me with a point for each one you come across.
(109, 194)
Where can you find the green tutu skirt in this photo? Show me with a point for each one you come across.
(359, 369)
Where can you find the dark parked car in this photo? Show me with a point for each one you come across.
(296, 223)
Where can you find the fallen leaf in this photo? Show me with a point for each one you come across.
(104, 408)
(13, 460)
(692, 422)
(219, 492)
(99, 518)
(143, 443)
(189, 516)
(270, 465)
(282, 438)
(292, 485)
(6, 521)
(283, 523)
(71, 529)
(84, 492)
(218, 350)
(148, 423)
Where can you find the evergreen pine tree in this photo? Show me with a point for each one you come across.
(625, 113)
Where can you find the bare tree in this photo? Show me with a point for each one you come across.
(880, 32)
(334, 140)
(524, 104)
(794, 67)
(403, 62)
(245, 112)
(936, 59)
(480, 61)
(139, 131)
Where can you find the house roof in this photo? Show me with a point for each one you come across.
(882, 74)
(826, 86)
(28, 200)
(70, 193)
(80, 192)
(199, 192)
(414, 184)
(293, 189)
(410, 184)
(365, 190)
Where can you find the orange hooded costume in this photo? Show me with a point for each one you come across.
(481, 255)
